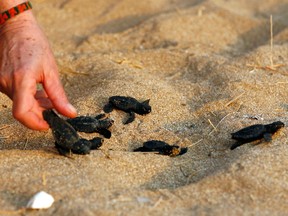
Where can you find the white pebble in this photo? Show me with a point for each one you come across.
(143, 199)
(40, 200)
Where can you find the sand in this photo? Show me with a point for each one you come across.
(207, 68)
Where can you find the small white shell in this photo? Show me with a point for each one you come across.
(40, 200)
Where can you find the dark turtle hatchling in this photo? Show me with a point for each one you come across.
(89, 124)
(162, 148)
(255, 132)
(129, 105)
(83, 146)
(66, 138)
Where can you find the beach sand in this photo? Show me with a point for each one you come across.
(207, 67)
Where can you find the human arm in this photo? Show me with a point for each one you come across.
(26, 59)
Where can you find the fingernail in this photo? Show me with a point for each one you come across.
(71, 108)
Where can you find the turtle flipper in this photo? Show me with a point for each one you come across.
(100, 116)
(96, 143)
(106, 133)
(62, 151)
(82, 147)
(183, 151)
(236, 145)
(267, 137)
(130, 118)
(108, 108)
(142, 149)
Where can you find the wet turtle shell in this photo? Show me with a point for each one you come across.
(66, 137)
(89, 124)
(250, 133)
(63, 133)
(162, 148)
(129, 105)
(256, 132)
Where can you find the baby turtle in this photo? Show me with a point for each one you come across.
(162, 148)
(255, 132)
(66, 138)
(89, 124)
(129, 105)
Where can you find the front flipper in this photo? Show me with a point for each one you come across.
(62, 151)
(236, 145)
(106, 133)
(108, 108)
(96, 143)
(143, 149)
(82, 147)
(267, 137)
(131, 118)
(100, 116)
(183, 151)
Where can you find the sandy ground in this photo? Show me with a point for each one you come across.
(205, 65)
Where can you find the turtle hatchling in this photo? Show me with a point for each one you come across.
(89, 124)
(66, 138)
(129, 105)
(162, 148)
(255, 132)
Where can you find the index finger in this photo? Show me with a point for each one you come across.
(26, 109)
(57, 96)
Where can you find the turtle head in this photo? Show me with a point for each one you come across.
(145, 108)
(275, 126)
(49, 116)
(278, 124)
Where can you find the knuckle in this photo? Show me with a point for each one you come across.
(17, 114)
(18, 75)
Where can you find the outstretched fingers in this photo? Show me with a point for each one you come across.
(57, 96)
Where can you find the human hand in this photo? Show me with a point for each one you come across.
(26, 60)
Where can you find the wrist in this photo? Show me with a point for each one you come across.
(20, 21)
(16, 11)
